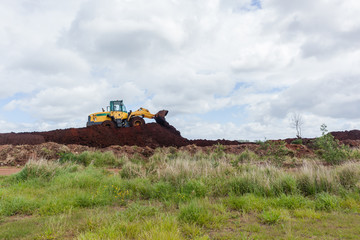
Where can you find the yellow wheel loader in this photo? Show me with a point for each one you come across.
(117, 116)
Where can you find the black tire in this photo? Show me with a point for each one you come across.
(108, 123)
(136, 121)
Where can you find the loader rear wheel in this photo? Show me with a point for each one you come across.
(136, 121)
(108, 123)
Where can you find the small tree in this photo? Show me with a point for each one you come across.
(297, 123)
(330, 148)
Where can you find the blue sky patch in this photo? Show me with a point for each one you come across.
(256, 3)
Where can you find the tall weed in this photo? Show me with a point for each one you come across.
(42, 169)
(98, 159)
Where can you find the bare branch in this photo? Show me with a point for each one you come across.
(297, 123)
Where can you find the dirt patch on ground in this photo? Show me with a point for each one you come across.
(300, 150)
(6, 171)
(14, 155)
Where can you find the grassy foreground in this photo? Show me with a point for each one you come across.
(177, 195)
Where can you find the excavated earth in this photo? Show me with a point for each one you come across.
(17, 148)
(151, 135)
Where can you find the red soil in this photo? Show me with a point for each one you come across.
(347, 135)
(151, 135)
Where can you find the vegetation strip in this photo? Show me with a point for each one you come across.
(178, 195)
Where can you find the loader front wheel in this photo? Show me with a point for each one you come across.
(108, 123)
(136, 121)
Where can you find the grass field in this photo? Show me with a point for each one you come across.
(178, 195)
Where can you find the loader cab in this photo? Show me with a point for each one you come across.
(117, 105)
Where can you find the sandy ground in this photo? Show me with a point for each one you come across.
(5, 171)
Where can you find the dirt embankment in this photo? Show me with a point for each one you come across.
(18, 155)
(350, 138)
(152, 135)
(18, 148)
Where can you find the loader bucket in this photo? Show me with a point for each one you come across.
(160, 117)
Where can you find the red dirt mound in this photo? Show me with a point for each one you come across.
(347, 135)
(149, 135)
(21, 138)
(152, 135)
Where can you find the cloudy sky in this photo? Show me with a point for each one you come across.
(233, 69)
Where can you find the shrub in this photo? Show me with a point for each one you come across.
(242, 185)
(350, 204)
(131, 170)
(191, 231)
(291, 202)
(84, 200)
(349, 176)
(17, 205)
(275, 150)
(245, 203)
(195, 188)
(297, 141)
(326, 202)
(219, 151)
(139, 212)
(54, 207)
(163, 190)
(245, 184)
(284, 185)
(83, 158)
(238, 203)
(315, 178)
(98, 159)
(355, 154)
(306, 185)
(140, 188)
(194, 213)
(42, 169)
(330, 149)
(271, 216)
(218, 186)
(245, 156)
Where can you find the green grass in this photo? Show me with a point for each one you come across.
(271, 216)
(178, 195)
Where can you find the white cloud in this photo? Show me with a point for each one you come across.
(65, 60)
(49, 60)
(79, 101)
(335, 96)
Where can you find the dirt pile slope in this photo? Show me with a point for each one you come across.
(152, 135)
(347, 135)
